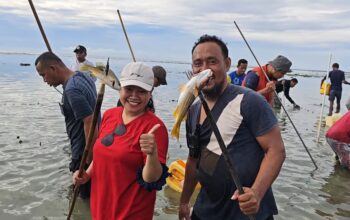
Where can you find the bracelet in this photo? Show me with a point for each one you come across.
(157, 185)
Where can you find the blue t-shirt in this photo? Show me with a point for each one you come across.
(78, 102)
(236, 79)
(337, 77)
(241, 115)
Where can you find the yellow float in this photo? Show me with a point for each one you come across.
(176, 180)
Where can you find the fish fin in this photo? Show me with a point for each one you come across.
(175, 132)
(195, 92)
(84, 67)
(182, 87)
(176, 112)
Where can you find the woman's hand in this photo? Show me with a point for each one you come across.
(148, 141)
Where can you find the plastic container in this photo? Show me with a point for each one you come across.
(328, 88)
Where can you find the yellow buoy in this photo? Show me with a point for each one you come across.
(176, 179)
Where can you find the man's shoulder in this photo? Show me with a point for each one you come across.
(78, 81)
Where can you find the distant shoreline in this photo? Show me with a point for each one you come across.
(165, 61)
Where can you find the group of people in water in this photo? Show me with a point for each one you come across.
(129, 157)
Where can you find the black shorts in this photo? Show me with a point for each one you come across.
(335, 94)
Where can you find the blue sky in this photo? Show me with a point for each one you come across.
(307, 32)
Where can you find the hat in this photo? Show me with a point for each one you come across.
(160, 73)
(281, 63)
(80, 48)
(137, 74)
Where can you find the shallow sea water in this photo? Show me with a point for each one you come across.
(35, 152)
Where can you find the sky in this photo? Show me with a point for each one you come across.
(307, 32)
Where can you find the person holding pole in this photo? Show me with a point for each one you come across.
(129, 154)
(337, 77)
(253, 142)
(77, 105)
(275, 69)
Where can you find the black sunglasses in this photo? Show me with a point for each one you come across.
(109, 138)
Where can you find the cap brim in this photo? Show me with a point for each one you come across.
(136, 83)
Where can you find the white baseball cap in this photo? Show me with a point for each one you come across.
(137, 74)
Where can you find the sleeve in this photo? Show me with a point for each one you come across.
(251, 80)
(343, 76)
(286, 92)
(258, 114)
(79, 103)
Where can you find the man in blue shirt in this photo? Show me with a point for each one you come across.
(337, 77)
(238, 75)
(77, 106)
(250, 131)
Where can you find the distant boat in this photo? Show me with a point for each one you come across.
(24, 64)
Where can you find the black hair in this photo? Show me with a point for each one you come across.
(335, 65)
(294, 80)
(242, 61)
(48, 58)
(212, 38)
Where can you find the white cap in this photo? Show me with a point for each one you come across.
(137, 74)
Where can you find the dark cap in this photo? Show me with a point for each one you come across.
(160, 73)
(80, 48)
(281, 63)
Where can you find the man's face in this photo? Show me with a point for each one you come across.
(292, 84)
(49, 73)
(276, 74)
(80, 55)
(241, 68)
(208, 55)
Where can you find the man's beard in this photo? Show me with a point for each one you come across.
(213, 93)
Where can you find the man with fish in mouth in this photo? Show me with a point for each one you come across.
(252, 136)
(275, 69)
(77, 105)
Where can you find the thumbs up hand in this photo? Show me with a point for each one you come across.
(148, 141)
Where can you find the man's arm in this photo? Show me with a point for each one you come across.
(286, 93)
(188, 188)
(324, 78)
(270, 167)
(87, 125)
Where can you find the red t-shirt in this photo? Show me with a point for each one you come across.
(115, 192)
(340, 131)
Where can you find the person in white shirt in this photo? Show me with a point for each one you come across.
(80, 54)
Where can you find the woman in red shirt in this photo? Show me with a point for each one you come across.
(129, 155)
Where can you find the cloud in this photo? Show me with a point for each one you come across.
(266, 18)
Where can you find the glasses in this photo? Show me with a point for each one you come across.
(109, 138)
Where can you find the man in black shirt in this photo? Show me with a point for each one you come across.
(337, 77)
(284, 85)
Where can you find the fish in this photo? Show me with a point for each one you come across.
(188, 94)
(99, 72)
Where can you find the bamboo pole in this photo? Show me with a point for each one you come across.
(42, 32)
(324, 99)
(89, 143)
(267, 78)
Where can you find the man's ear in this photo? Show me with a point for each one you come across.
(228, 63)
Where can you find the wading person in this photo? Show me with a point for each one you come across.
(77, 105)
(250, 130)
(159, 76)
(80, 55)
(129, 153)
(275, 69)
(337, 77)
(285, 85)
(238, 75)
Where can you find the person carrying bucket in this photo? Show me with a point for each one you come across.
(337, 78)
